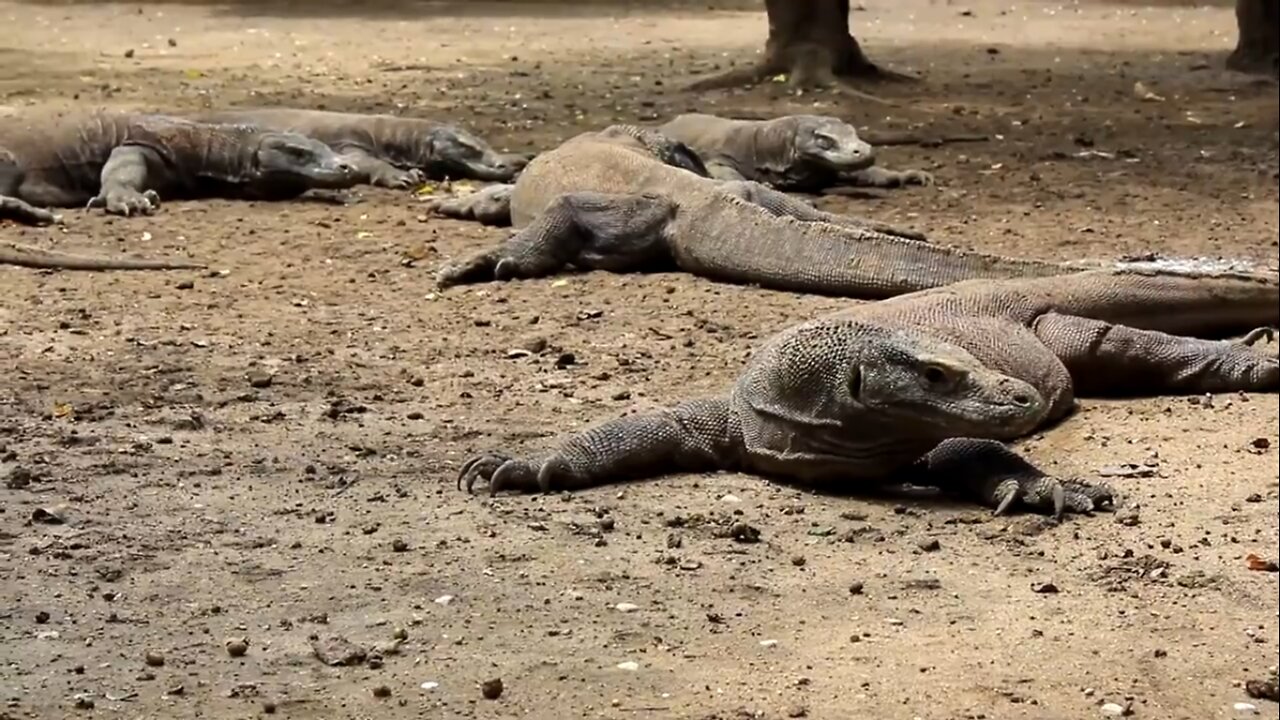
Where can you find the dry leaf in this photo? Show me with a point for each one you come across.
(1254, 562)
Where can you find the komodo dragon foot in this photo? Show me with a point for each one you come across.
(503, 472)
(994, 475)
(490, 206)
(126, 202)
(24, 212)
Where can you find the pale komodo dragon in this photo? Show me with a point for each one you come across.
(922, 388)
(390, 151)
(621, 200)
(126, 162)
(800, 153)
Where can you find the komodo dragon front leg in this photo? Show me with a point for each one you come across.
(380, 173)
(591, 231)
(782, 204)
(125, 179)
(490, 206)
(11, 206)
(879, 177)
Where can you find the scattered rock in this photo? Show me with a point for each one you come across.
(259, 378)
(491, 689)
(856, 587)
(1263, 689)
(335, 650)
(744, 533)
(929, 545)
(237, 647)
(381, 692)
(1116, 710)
(1044, 588)
(153, 659)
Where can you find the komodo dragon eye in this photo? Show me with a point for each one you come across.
(939, 377)
(824, 142)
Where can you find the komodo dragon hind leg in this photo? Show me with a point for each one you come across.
(21, 211)
(490, 206)
(594, 231)
(1107, 359)
(995, 475)
(782, 204)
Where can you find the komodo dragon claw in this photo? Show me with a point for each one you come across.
(504, 472)
(1049, 492)
(1253, 336)
(126, 202)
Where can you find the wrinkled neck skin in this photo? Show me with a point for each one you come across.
(773, 155)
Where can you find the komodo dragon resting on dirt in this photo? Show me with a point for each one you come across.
(921, 388)
(601, 201)
(390, 151)
(628, 160)
(802, 153)
(126, 162)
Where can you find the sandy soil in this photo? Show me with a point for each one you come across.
(268, 452)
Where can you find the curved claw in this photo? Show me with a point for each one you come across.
(917, 177)
(1253, 336)
(501, 471)
(1050, 493)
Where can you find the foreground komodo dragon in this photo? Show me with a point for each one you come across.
(800, 153)
(126, 162)
(602, 201)
(390, 151)
(922, 387)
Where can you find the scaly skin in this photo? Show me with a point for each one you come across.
(648, 214)
(390, 151)
(126, 162)
(801, 153)
(924, 388)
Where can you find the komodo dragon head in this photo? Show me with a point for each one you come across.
(839, 395)
(285, 164)
(449, 151)
(821, 141)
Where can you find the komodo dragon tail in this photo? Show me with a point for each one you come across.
(27, 256)
(1182, 297)
(740, 242)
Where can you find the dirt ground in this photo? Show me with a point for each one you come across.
(268, 452)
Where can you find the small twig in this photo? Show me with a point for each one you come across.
(909, 137)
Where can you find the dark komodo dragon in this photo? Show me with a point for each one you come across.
(126, 162)
(800, 153)
(622, 199)
(922, 388)
(390, 151)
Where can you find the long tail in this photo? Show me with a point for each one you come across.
(27, 256)
(1202, 298)
(729, 239)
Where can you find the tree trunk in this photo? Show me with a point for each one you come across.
(1258, 47)
(809, 42)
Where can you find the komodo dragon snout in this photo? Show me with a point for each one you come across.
(458, 153)
(831, 143)
(284, 157)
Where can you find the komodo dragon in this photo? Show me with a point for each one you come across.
(801, 153)
(624, 159)
(602, 201)
(921, 388)
(126, 162)
(391, 151)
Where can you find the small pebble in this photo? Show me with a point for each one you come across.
(382, 691)
(626, 607)
(153, 659)
(1244, 708)
(1115, 710)
(855, 587)
(930, 545)
(768, 643)
(399, 545)
(491, 689)
(798, 560)
(237, 647)
(629, 665)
